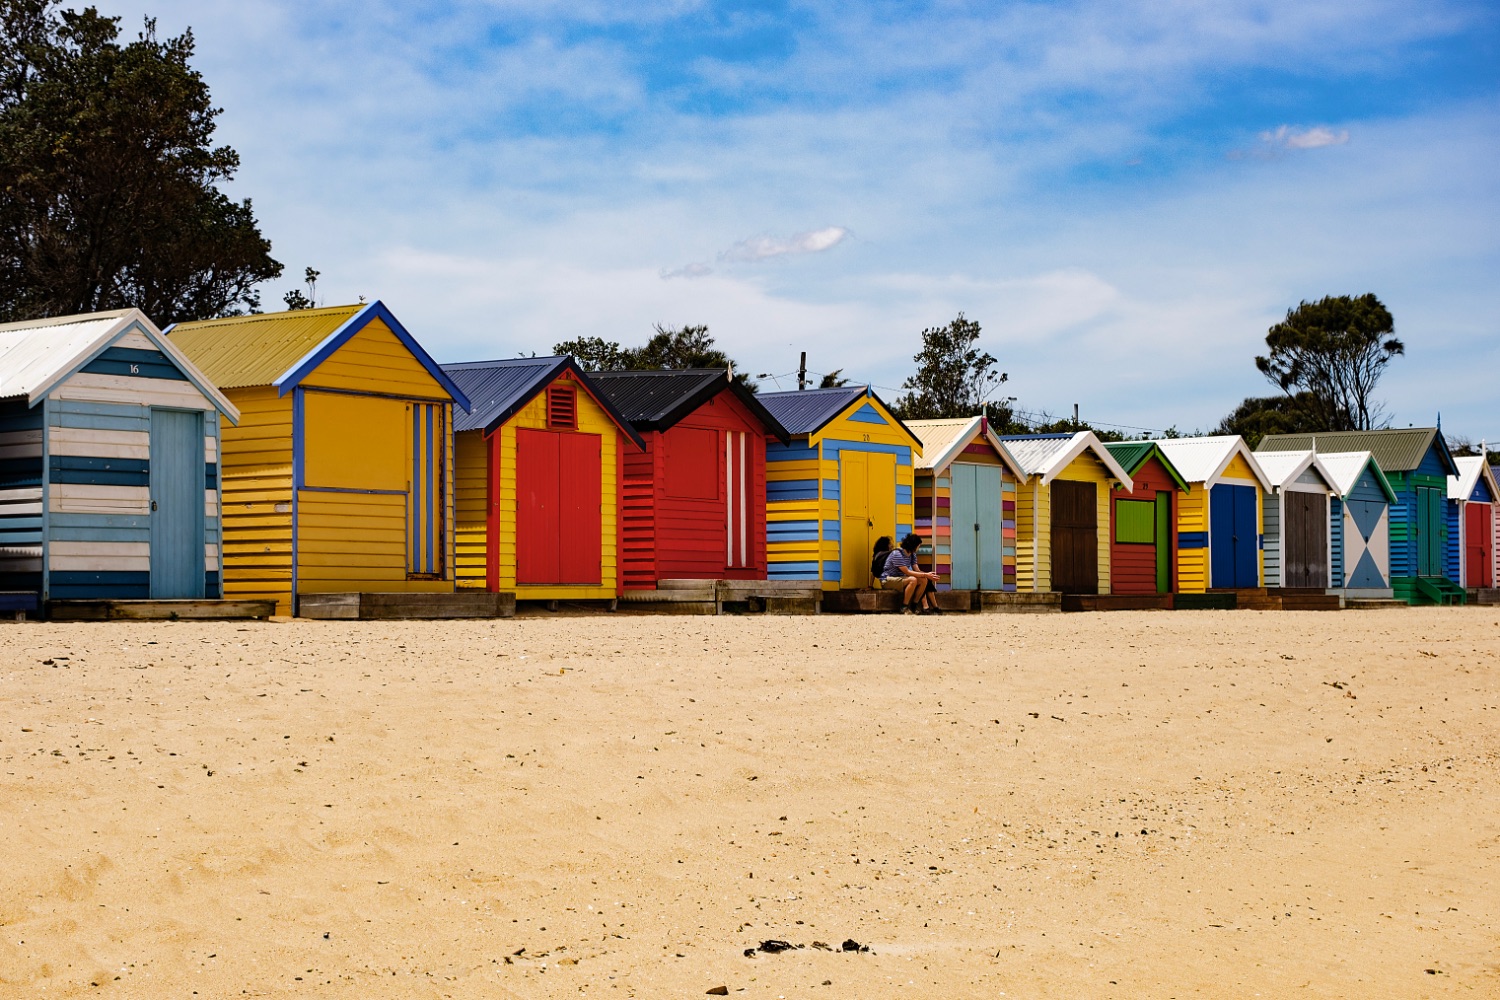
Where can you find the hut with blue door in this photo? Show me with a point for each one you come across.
(1417, 464)
(1359, 523)
(109, 460)
(1219, 519)
(964, 503)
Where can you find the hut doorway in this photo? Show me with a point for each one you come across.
(867, 499)
(1430, 531)
(1233, 537)
(1305, 541)
(977, 527)
(558, 496)
(176, 479)
(1075, 537)
(1478, 571)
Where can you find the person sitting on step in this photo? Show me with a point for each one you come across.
(902, 570)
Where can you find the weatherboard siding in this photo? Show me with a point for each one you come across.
(471, 508)
(257, 498)
(796, 510)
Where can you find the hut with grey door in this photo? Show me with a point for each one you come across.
(109, 451)
(1297, 551)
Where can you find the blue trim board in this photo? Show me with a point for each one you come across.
(867, 414)
(100, 416)
(832, 447)
(832, 569)
(792, 571)
(791, 531)
(799, 452)
(832, 531)
(785, 490)
(903, 496)
(210, 475)
(90, 471)
(1187, 540)
(18, 473)
(211, 585)
(133, 362)
(100, 533)
(87, 584)
(830, 489)
(298, 453)
(427, 490)
(338, 338)
(902, 530)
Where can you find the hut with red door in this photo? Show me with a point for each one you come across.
(1473, 498)
(539, 460)
(1143, 521)
(693, 501)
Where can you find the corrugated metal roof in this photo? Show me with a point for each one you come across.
(1470, 469)
(1345, 467)
(944, 440)
(34, 353)
(1133, 454)
(1396, 449)
(805, 411)
(1203, 459)
(657, 400)
(497, 389)
(1047, 455)
(243, 351)
(1283, 467)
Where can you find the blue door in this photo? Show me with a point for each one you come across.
(177, 485)
(990, 500)
(1234, 539)
(964, 527)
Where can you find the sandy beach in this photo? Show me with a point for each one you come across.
(1132, 805)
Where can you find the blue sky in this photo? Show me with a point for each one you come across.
(1125, 195)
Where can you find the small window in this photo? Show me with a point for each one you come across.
(1135, 521)
(562, 407)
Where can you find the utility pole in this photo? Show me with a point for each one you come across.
(1075, 416)
(802, 373)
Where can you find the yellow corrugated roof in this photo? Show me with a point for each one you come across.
(256, 350)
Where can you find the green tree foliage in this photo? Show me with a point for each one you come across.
(668, 349)
(953, 377)
(109, 179)
(297, 299)
(1329, 355)
(1258, 416)
(833, 380)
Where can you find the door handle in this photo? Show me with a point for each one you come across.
(153, 504)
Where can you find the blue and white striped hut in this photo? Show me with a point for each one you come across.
(109, 450)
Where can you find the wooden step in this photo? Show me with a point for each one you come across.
(349, 606)
(1013, 602)
(82, 610)
(1117, 602)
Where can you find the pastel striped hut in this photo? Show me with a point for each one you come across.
(109, 462)
(1220, 518)
(1063, 511)
(964, 503)
(541, 457)
(844, 480)
(339, 476)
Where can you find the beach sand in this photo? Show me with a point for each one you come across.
(1132, 804)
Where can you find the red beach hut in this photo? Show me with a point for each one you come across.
(1143, 522)
(693, 504)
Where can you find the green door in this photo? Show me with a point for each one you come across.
(1163, 542)
(1430, 531)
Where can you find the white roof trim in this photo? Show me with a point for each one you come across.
(972, 431)
(1233, 445)
(1470, 469)
(1081, 442)
(1306, 460)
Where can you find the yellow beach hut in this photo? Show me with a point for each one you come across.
(337, 478)
(1062, 511)
(1221, 519)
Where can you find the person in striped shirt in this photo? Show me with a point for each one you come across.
(902, 570)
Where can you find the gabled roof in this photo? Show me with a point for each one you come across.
(35, 355)
(1047, 455)
(1397, 449)
(657, 400)
(1283, 467)
(808, 411)
(1471, 468)
(498, 389)
(1133, 454)
(1345, 467)
(1204, 459)
(943, 441)
(281, 349)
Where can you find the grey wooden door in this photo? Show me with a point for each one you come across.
(1304, 536)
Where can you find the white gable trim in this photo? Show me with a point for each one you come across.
(1081, 442)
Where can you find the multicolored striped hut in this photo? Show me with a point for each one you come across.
(844, 480)
(1220, 519)
(694, 500)
(541, 456)
(1063, 511)
(965, 503)
(109, 463)
(338, 477)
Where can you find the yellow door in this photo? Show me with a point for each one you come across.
(880, 493)
(854, 523)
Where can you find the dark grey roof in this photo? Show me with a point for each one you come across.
(498, 389)
(657, 400)
(1397, 449)
(803, 412)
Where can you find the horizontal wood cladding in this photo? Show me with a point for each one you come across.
(256, 470)
(374, 360)
(470, 504)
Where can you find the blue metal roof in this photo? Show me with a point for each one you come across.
(805, 411)
(498, 389)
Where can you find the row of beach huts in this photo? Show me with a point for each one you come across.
(319, 462)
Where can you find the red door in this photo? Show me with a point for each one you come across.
(558, 524)
(1477, 545)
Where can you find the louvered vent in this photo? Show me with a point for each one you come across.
(562, 407)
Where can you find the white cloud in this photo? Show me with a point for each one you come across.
(1286, 137)
(695, 270)
(765, 247)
